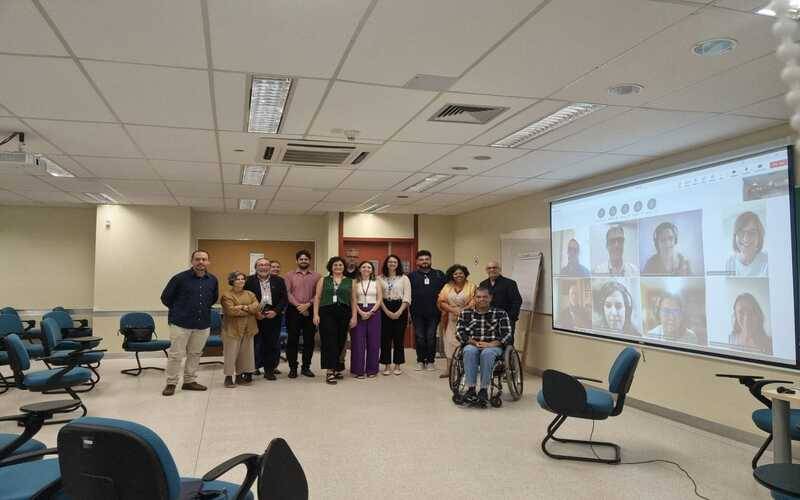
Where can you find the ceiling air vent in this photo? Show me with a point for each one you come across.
(467, 113)
(316, 153)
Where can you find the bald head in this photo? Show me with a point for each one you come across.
(493, 269)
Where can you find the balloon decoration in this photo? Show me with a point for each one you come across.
(788, 51)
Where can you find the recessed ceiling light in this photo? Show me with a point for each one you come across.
(402, 196)
(267, 101)
(793, 12)
(52, 167)
(623, 89)
(481, 157)
(458, 168)
(714, 47)
(563, 116)
(239, 150)
(427, 183)
(245, 204)
(375, 208)
(100, 198)
(253, 175)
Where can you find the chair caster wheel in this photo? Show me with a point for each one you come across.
(496, 402)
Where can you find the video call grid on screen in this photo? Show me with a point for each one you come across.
(698, 260)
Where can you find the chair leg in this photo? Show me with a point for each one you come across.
(5, 385)
(553, 427)
(139, 368)
(761, 451)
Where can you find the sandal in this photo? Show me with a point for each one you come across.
(338, 375)
(330, 379)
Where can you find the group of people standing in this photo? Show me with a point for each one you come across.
(374, 308)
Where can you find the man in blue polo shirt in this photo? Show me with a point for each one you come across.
(189, 296)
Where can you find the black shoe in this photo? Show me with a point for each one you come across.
(483, 398)
(307, 372)
(229, 382)
(276, 372)
(470, 397)
(257, 372)
(339, 376)
(169, 390)
(270, 376)
(292, 372)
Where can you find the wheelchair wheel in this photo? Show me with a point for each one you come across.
(514, 373)
(456, 375)
(496, 402)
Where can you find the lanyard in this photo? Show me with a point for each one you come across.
(364, 290)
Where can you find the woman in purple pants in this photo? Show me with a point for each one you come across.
(365, 338)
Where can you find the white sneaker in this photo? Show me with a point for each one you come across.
(387, 370)
(431, 367)
(420, 367)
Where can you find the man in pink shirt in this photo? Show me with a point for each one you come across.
(300, 285)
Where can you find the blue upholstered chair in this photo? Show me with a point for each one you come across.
(94, 470)
(65, 378)
(24, 479)
(215, 338)
(69, 327)
(30, 328)
(138, 328)
(566, 396)
(11, 324)
(59, 352)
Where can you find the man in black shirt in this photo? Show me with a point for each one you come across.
(270, 290)
(426, 283)
(189, 296)
(505, 293)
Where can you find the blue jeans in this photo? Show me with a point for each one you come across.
(473, 356)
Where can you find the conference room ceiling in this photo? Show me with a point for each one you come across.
(147, 100)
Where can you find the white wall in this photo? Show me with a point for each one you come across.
(378, 226)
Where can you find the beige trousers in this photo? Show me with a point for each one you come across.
(239, 355)
(187, 343)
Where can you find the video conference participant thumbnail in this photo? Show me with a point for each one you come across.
(616, 306)
(748, 258)
(574, 304)
(748, 325)
(672, 245)
(675, 309)
(620, 249)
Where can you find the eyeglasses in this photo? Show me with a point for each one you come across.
(670, 311)
(750, 233)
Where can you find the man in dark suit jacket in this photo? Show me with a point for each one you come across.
(271, 292)
(505, 293)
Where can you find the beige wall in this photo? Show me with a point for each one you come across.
(436, 235)
(48, 256)
(669, 379)
(332, 220)
(378, 226)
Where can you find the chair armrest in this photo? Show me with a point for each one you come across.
(31, 323)
(32, 334)
(588, 379)
(746, 380)
(24, 457)
(248, 459)
(86, 339)
(81, 323)
(13, 418)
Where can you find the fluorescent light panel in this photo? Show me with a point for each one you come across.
(563, 116)
(52, 167)
(794, 10)
(375, 208)
(253, 175)
(428, 182)
(267, 101)
(100, 198)
(245, 204)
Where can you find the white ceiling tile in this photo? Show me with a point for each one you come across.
(153, 95)
(479, 185)
(9, 197)
(231, 173)
(45, 87)
(195, 189)
(300, 194)
(340, 137)
(252, 192)
(233, 205)
(442, 199)
(365, 179)
(53, 197)
(350, 196)
(708, 131)
(33, 140)
(529, 186)
(286, 212)
(422, 129)
(87, 139)
(536, 163)
(400, 198)
(565, 40)
(75, 185)
(137, 187)
(200, 202)
(745, 84)
(145, 31)
(186, 171)
(742, 5)
(333, 207)
(385, 53)
(626, 129)
(24, 183)
(323, 178)
(775, 107)
(465, 157)
(375, 111)
(175, 144)
(151, 199)
(677, 65)
(301, 206)
(282, 37)
(405, 156)
(118, 168)
(593, 166)
(229, 142)
(275, 175)
(302, 105)
(19, 20)
(416, 178)
(231, 97)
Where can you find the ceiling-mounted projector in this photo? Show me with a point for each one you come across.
(17, 157)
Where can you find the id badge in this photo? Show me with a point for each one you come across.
(365, 304)
(335, 299)
(427, 280)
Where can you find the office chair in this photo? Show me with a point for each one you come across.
(566, 396)
(67, 377)
(30, 329)
(91, 452)
(762, 418)
(280, 475)
(57, 354)
(11, 324)
(32, 418)
(138, 329)
(24, 477)
(69, 327)
(215, 338)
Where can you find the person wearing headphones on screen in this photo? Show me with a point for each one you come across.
(615, 244)
(614, 305)
(749, 258)
(672, 318)
(748, 326)
(667, 259)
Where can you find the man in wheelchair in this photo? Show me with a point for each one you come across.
(483, 332)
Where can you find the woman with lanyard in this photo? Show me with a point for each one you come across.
(334, 314)
(365, 339)
(396, 289)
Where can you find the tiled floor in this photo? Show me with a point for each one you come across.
(401, 437)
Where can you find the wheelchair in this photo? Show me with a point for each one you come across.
(507, 368)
